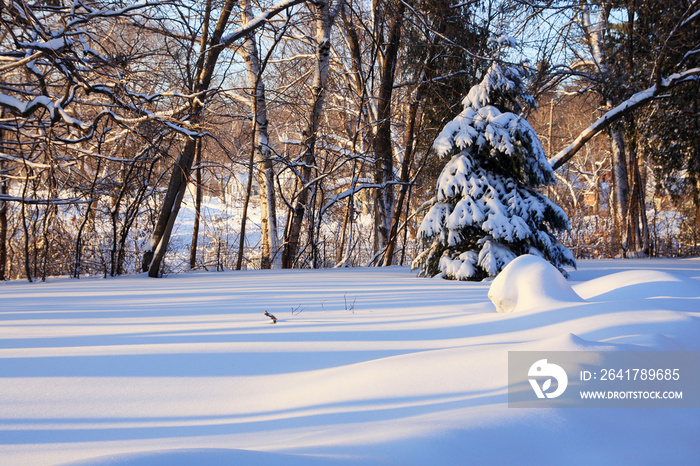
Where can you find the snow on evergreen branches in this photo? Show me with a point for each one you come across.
(487, 211)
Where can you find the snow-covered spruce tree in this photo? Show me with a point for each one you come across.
(486, 211)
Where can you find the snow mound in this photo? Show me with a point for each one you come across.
(530, 282)
(637, 284)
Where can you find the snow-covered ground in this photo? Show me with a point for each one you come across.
(364, 366)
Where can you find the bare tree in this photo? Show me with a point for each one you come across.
(60, 91)
(324, 17)
(633, 56)
(211, 46)
(261, 150)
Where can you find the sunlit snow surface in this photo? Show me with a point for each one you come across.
(364, 366)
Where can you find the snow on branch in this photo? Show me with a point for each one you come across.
(238, 97)
(24, 109)
(258, 21)
(58, 113)
(57, 201)
(63, 48)
(29, 163)
(55, 45)
(690, 18)
(636, 101)
(356, 189)
(92, 13)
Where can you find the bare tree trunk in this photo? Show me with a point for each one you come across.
(635, 208)
(620, 172)
(318, 90)
(629, 192)
(197, 205)
(114, 214)
(4, 189)
(346, 223)
(409, 144)
(49, 216)
(696, 205)
(268, 213)
(27, 265)
(206, 63)
(88, 213)
(620, 187)
(405, 226)
(132, 209)
(3, 226)
(637, 218)
(695, 179)
(381, 143)
(169, 209)
(246, 203)
(343, 255)
(356, 83)
(403, 178)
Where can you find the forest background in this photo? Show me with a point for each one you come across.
(299, 133)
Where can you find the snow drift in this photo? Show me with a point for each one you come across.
(530, 282)
(364, 366)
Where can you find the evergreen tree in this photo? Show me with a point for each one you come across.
(486, 211)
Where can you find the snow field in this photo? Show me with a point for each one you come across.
(365, 366)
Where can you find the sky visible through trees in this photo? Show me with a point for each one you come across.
(165, 136)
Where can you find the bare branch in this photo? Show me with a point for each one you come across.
(628, 106)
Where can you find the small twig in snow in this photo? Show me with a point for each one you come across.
(352, 306)
(274, 319)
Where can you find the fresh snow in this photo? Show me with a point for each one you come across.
(54, 45)
(365, 366)
(530, 283)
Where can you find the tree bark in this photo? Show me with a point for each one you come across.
(4, 190)
(409, 144)
(153, 257)
(210, 50)
(197, 206)
(268, 213)
(624, 214)
(404, 176)
(620, 186)
(381, 143)
(246, 204)
(310, 134)
(3, 226)
(25, 226)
